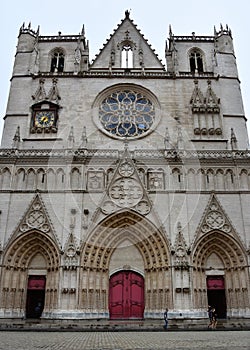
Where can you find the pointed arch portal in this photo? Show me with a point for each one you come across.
(220, 274)
(126, 294)
(30, 274)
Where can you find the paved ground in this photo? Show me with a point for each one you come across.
(216, 340)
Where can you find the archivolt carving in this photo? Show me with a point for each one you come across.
(233, 267)
(125, 225)
(16, 262)
(23, 249)
(226, 247)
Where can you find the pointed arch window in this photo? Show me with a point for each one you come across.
(57, 62)
(127, 56)
(196, 61)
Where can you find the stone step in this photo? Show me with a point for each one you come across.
(121, 325)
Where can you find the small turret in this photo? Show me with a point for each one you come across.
(26, 38)
(27, 55)
(224, 52)
(85, 50)
(171, 53)
(223, 40)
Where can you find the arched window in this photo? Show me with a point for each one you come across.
(196, 61)
(57, 62)
(127, 56)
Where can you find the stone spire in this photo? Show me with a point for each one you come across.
(234, 141)
(53, 94)
(84, 138)
(71, 138)
(16, 138)
(180, 141)
(167, 141)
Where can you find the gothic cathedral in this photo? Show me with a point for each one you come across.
(124, 181)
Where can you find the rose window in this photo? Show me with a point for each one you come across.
(126, 113)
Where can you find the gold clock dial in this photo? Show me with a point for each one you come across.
(44, 119)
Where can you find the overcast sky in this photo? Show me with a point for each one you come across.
(101, 17)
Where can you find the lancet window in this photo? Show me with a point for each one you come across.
(57, 62)
(127, 56)
(196, 62)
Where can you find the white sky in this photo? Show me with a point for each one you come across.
(101, 17)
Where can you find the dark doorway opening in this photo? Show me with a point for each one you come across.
(216, 295)
(35, 296)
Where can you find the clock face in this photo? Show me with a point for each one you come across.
(44, 119)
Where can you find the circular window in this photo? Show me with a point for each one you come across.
(126, 113)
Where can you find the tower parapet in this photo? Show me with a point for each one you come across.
(26, 38)
(224, 40)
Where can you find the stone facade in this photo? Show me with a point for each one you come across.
(124, 182)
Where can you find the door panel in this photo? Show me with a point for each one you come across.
(126, 295)
(216, 295)
(35, 296)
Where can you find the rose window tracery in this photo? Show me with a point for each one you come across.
(215, 220)
(125, 192)
(126, 113)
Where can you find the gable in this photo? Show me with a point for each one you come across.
(127, 40)
(35, 219)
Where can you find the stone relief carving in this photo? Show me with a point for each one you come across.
(125, 189)
(71, 258)
(180, 250)
(95, 180)
(215, 218)
(155, 181)
(126, 192)
(35, 218)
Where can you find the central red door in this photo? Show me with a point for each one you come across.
(126, 295)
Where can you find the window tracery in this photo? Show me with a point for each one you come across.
(57, 62)
(126, 113)
(196, 61)
(127, 56)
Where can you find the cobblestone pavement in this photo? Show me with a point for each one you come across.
(218, 340)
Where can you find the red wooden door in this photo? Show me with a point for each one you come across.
(126, 295)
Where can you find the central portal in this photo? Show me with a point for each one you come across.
(126, 295)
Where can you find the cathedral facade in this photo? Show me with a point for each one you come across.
(124, 181)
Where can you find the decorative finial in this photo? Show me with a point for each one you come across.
(83, 31)
(84, 138)
(127, 13)
(180, 141)
(71, 138)
(170, 31)
(196, 81)
(234, 141)
(16, 138)
(125, 145)
(179, 227)
(167, 141)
